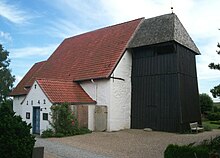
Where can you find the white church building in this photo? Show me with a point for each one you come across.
(93, 72)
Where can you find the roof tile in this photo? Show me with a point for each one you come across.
(62, 91)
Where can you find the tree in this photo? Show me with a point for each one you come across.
(216, 90)
(206, 103)
(15, 138)
(6, 78)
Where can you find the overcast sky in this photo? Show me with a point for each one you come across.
(32, 30)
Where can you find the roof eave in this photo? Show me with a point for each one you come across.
(76, 103)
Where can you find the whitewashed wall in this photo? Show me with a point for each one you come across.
(98, 90)
(120, 104)
(113, 93)
(35, 95)
(17, 107)
(91, 118)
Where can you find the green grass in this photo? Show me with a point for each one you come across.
(213, 126)
(217, 104)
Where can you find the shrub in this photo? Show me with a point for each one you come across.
(84, 130)
(216, 109)
(213, 116)
(205, 149)
(206, 103)
(59, 135)
(64, 123)
(186, 151)
(15, 138)
(215, 122)
(47, 133)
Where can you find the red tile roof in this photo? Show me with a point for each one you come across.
(91, 55)
(62, 91)
(27, 80)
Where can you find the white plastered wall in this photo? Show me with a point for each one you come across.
(113, 93)
(98, 90)
(17, 107)
(120, 94)
(37, 97)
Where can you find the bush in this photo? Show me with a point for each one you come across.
(64, 123)
(15, 138)
(59, 135)
(84, 131)
(186, 151)
(206, 103)
(215, 122)
(206, 149)
(47, 133)
(213, 116)
(216, 109)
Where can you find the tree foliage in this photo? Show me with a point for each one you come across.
(15, 138)
(6, 78)
(206, 103)
(216, 90)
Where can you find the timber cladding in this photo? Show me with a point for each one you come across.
(164, 87)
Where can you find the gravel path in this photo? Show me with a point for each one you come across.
(122, 144)
(60, 150)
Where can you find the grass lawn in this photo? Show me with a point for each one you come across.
(213, 126)
(217, 104)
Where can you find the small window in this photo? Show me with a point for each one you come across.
(38, 101)
(35, 86)
(44, 101)
(32, 102)
(166, 49)
(45, 116)
(27, 115)
(27, 102)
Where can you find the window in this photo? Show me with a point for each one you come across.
(27, 102)
(27, 115)
(32, 102)
(35, 86)
(45, 116)
(38, 101)
(44, 101)
(165, 49)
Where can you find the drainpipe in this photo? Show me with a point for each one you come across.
(95, 89)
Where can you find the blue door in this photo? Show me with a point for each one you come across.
(36, 120)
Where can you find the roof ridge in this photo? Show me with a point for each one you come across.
(103, 28)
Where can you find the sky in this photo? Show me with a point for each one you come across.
(32, 30)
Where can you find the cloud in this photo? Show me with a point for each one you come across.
(13, 13)
(27, 52)
(63, 28)
(200, 18)
(5, 36)
(76, 17)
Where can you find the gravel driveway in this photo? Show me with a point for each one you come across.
(124, 144)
